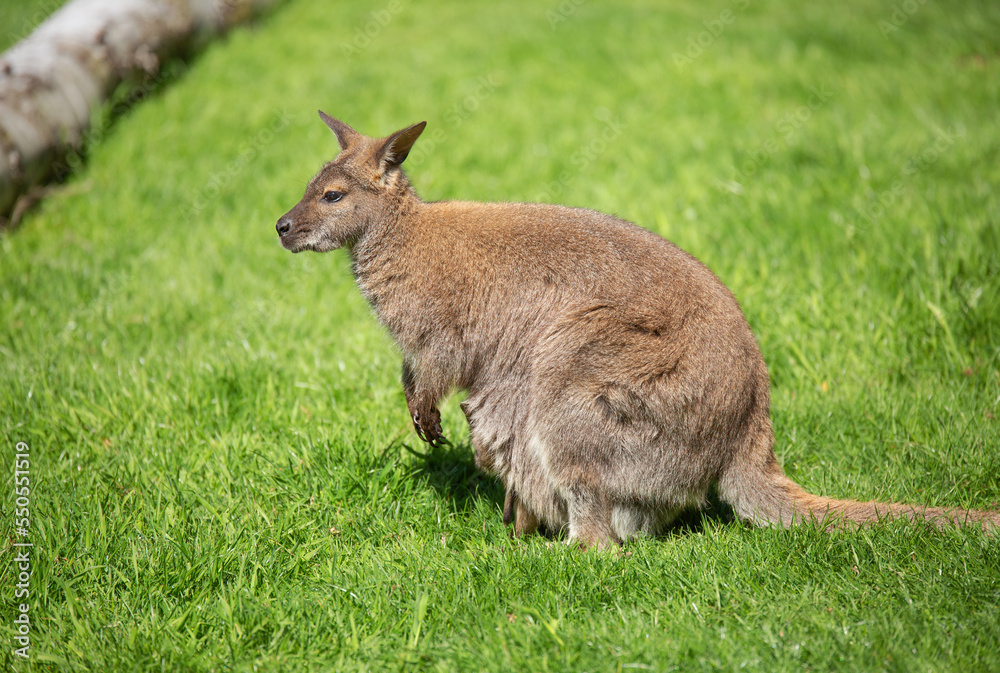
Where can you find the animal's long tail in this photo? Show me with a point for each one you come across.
(759, 491)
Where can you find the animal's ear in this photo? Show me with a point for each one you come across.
(345, 134)
(394, 149)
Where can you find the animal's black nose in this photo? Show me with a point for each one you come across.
(284, 226)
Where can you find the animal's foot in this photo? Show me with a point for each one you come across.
(428, 426)
(590, 523)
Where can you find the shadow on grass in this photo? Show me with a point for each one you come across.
(69, 158)
(451, 472)
(692, 521)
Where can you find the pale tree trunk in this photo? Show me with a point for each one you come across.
(53, 81)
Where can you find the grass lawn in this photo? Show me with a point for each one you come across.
(18, 19)
(223, 472)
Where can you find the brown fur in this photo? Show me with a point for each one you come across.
(612, 378)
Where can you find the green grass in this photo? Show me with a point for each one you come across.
(19, 17)
(220, 471)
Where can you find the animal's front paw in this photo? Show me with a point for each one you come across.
(428, 426)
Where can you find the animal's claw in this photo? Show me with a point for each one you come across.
(429, 427)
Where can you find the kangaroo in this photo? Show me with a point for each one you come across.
(611, 377)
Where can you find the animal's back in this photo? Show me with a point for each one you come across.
(573, 255)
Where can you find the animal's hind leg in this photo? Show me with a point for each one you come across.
(590, 521)
(515, 511)
(525, 521)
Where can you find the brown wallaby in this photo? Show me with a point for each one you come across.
(611, 377)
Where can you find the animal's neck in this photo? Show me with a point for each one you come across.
(377, 254)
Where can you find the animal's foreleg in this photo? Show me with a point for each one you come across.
(421, 400)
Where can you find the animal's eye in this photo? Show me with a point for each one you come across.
(333, 196)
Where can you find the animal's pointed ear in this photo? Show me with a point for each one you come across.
(394, 149)
(346, 136)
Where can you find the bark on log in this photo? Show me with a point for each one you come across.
(53, 81)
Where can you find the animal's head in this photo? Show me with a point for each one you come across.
(358, 188)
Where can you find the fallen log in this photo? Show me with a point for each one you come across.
(53, 81)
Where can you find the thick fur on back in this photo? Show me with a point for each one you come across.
(611, 377)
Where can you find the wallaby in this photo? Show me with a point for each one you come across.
(611, 377)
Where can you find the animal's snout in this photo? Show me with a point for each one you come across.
(283, 226)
